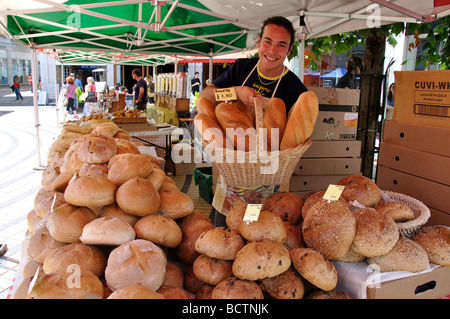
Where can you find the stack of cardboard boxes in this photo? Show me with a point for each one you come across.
(414, 156)
(334, 152)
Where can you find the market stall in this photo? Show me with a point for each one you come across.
(108, 211)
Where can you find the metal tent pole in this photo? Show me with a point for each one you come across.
(35, 78)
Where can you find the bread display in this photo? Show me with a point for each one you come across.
(360, 188)
(436, 242)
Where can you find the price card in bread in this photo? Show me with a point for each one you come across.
(333, 192)
(226, 94)
(252, 213)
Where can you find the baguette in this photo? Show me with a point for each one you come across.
(205, 106)
(301, 120)
(275, 118)
(211, 131)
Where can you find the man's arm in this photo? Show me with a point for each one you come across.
(141, 94)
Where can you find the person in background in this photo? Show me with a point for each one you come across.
(30, 82)
(390, 95)
(150, 88)
(90, 87)
(70, 94)
(140, 90)
(195, 84)
(78, 81)
(17, 88)
(351, 79)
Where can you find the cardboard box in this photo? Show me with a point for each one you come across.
(301, 183)
(422, 97)
(338, 114)
(133, 127)
(431, 139)
(431, 193)
(333, 149)
(422, 164)
(438, 218)
(178, 104)
(328, 166)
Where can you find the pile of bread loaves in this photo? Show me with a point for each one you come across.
(227, 124)
(108, 223)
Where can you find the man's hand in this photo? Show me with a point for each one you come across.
(245, 94)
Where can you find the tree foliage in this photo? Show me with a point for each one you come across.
(436, 32)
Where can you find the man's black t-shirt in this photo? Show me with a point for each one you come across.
(195, 88)
(141, 83)
(288, 90)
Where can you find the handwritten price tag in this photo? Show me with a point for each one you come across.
(227, 94)
(333, 192)
(252, 213)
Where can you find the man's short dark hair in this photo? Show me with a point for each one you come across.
(281, 22)
(196, 73)
(137, 72)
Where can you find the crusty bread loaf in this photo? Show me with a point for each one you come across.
(137, 261)
(206, 106)
(301, 120)
(332, 294)
(212, 270)
(61, 285)
(86, 257)
(261, 259)
(191, 231)
(122, 134)
(97, 149)
(174, 276)
(42, 244)
(235, 288)
(48, 203)
(398, 211)
(90, 191)
(211, 132)
(107, 231)
(108, 128)
(114, 210)
(60, 182)
(138, 196)
(135, 291)
(436, 242)
(220, 242)
(170, 292)
(191, 282)
(287, 205)
(94, 170)
(204, 292)
(376, 233)
(288, 285)
(237, 122)
(159, 229)
(235, 216)
(329, 228)
(125, 146)
(66, 222)
(275, 119)
(175, 204)
(361, 189)
(77, 127)
(123, 167)
(406, 255)
(268, 225)
(294, 238)
(157, 177)
(314, 267)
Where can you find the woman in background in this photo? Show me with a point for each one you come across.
(70, 94)
(90, 87)
(17, 88)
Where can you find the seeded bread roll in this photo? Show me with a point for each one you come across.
(314, 267)
(376, 233)
(170, 292)
(361, 189)
(398, 211)
(405, 256)
(268, 225)
(235, 217)
(258, 260)
(288, 285)
(436, 242)
(212, 270)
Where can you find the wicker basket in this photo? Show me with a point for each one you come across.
(421, 213)
(258, 168)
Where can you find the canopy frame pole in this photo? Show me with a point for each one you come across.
(407, 12)
(35, 79)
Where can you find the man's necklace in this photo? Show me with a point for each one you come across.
(268, 83)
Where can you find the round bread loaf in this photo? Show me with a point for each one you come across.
(72, 163)
(126, 146)
(258, 260)
(332, 294)
(42, 244)
(174, 276)
(294, 237)
(314, 267)
(329, 228)
(67, 285)
(94, 169)
(191, 282)
(67, 137)
(196, 215)
(235, 288)
(170, 292)
(235, 216)
(107, 231)
(287, 205)
(212, 270)
(175, 204)
(135, 291)
(138, 196)
(288, 285)
(77, 127)
(351, 257)
(361, 189)
(42, 194)
(157, 177)
(405, 256)
(123, 167)
(204, 292)
(137, 261)
(90, 191)
(186, 250)
(50, 203)
(84, 256)
(108, 128)
(97, 149)
(122, 134)
(398, 211)
(66, 222)
(60, 182)
(114, 210)
(159, 229)
(268, 225)
(436, 242)
(219, 242)
(376, 233)
(311, 199)
(34, 222)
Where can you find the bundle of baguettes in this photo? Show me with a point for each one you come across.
(233, 128)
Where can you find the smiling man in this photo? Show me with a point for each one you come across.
(265, 75)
